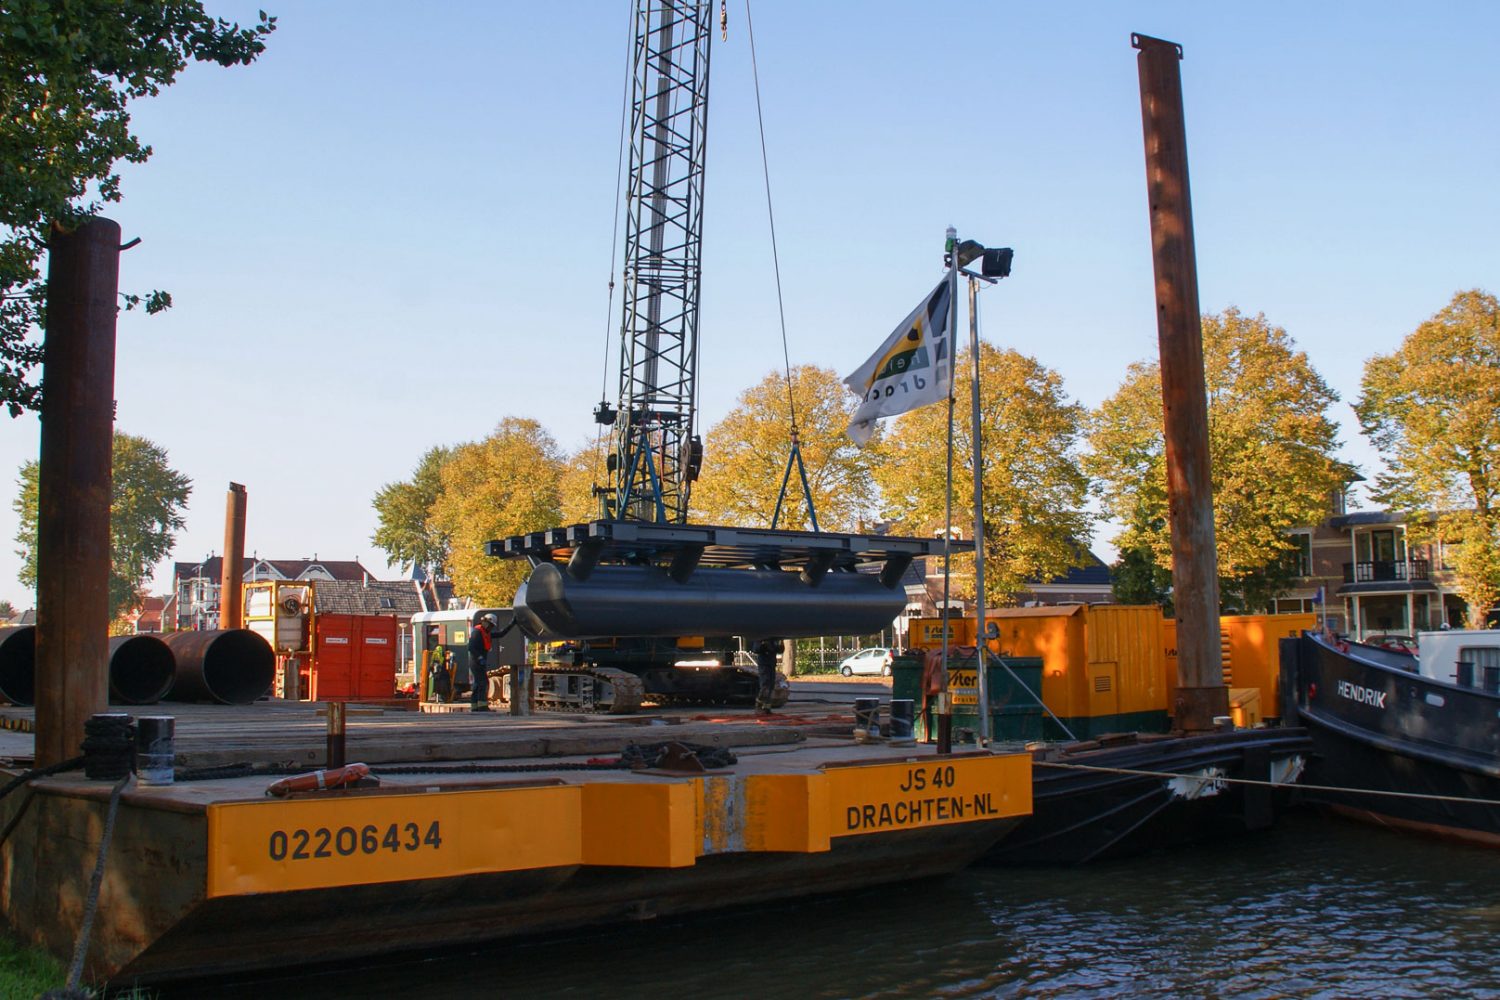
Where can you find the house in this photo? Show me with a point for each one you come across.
(147, 617)
(194, 601)
(1370, 578)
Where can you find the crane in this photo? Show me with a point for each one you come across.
(648, 603)
(655, 453)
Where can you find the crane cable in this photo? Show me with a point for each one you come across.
(771, 216)
(795, 457)
(614, 240)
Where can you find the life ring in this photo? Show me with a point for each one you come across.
(333, 777)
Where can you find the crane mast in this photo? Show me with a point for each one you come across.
(655, 452)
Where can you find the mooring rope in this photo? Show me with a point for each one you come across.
(1270, 784)
(91, 905)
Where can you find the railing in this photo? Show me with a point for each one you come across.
(1385, 569)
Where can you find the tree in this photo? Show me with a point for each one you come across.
(147, 499)
(406, 532)
(582, 470)
(506, 484)
(68, 71)
(1271, 446)
(1035, 521)
(7, 610)
(1431, 408)
(745, 456)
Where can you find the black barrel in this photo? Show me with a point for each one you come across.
(234, 666)
(140, 669)
(645, 601)
(18, 664)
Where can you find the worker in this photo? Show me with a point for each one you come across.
(479, 658)
(439, 686)
(765, 661)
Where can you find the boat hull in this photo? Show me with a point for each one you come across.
(1391, 746)
(1085, 809)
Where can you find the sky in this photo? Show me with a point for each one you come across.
(396, 227)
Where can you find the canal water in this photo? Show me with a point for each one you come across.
(1314, 908)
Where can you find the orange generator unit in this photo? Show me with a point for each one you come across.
(354, 658)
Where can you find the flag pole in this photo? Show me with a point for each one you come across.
(976, 451)
(945, 721)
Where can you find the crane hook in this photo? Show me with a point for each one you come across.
(724, 20)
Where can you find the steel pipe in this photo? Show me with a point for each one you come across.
(141, 668)
(18, 664)
(234, 666)
(552, 605)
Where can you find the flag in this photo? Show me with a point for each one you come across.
(912, 368)
(1318, 597)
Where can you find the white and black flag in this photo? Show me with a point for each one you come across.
(912, 368)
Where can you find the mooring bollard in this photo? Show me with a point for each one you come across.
(155, 749)
(335, 757)
(903, 722)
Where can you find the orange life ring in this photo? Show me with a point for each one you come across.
(333, 777)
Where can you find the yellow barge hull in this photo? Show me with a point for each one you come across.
(212, 877)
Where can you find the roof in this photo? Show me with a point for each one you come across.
(1093, 572)
(290, 569)
(378, 597)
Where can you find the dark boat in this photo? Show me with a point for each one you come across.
(1384, 722)
(1087, 806)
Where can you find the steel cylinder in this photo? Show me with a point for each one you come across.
(18, 664)
(553, 605)
(234, 666)
(140, 669)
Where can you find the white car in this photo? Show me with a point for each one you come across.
(868, 661)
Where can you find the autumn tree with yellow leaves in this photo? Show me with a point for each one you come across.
(745, 457)
(1036, 523)
(1432, 407)
(506, 484)
(1271, 445)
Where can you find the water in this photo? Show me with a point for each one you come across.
(1315, 908)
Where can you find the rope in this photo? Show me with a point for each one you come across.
(1273, 784)
(72, 764)
(600, 765)
(614, 240)
(765, 167)
(91, 906)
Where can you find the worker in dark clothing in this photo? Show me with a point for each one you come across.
(765, 661)
(479, 660)
(481, 640)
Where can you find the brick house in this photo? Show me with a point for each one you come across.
(194, 600)
(1371, 579)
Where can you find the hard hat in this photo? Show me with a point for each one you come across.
(492, 620)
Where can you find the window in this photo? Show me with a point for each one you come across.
(386, 604)
(1480, 656)
(1301, 558)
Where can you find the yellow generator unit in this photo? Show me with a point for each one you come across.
(1109, 668)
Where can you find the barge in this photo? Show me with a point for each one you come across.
(212, 877)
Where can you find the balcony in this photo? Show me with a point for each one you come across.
(1382, 569)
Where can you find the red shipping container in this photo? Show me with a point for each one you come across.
(354, 658)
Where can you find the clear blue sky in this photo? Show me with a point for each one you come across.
(394, 229)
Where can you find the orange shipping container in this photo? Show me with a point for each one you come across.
(354, 658)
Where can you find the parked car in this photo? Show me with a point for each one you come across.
(876, 660)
